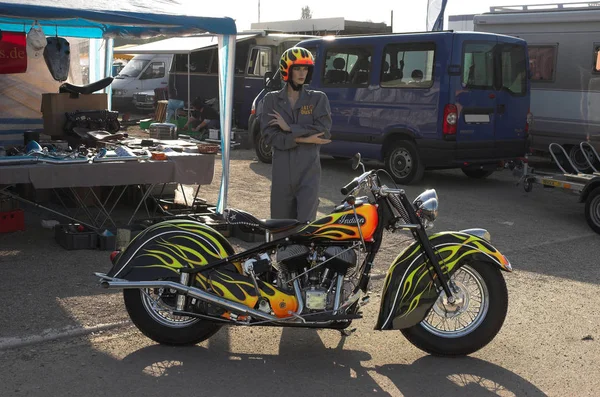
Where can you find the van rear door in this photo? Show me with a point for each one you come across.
(512, 100)
(475, 96)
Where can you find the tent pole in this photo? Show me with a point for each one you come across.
(189, 85)
(188, 90)
(226, 63)
(108, 61)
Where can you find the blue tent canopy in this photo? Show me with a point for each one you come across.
(64, 18)
(107, 19)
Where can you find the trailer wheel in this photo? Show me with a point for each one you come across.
(592, 210)
(528, 186)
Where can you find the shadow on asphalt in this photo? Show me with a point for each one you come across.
(305, 367)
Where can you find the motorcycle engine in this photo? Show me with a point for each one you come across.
(318, 285)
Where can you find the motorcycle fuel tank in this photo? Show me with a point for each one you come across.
(341, 226)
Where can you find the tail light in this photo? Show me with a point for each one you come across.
(113, 255)
(529, 121)
(253, 108)
(450, 119)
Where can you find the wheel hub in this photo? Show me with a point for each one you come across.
(444, 308)
(402, 162)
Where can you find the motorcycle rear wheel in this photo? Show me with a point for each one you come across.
(149, 309)
(471, 323)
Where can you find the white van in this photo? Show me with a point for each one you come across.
(143, 73)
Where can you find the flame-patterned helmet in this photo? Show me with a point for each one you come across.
(296, 56)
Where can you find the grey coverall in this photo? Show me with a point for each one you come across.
(296, 169)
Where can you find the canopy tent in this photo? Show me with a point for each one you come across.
(106, 19)
(176, 45)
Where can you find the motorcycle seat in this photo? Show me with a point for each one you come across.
(240, 217)
(67, 88)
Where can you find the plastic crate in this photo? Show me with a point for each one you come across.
(12, 221)
(69, 238)
(107, 243)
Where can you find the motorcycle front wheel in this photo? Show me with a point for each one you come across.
(472, 321)
(150, 309)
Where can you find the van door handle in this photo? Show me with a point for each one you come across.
(501, 109)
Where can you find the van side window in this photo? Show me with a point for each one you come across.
(259, 62)
(156, 70)
(408, 65)
(542, 59)
(349, 66)
(478, 66)
(514, 69)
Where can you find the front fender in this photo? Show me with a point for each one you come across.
(164, 248)
(409, 290)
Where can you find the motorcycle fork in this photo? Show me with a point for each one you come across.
(422, 237)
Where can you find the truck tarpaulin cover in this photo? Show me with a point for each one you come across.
(13, 54)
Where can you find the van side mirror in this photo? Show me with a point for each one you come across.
(272, 81)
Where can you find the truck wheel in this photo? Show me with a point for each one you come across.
(403, 162)
(263, 150)
(592, 210)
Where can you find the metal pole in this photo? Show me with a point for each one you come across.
(189, 85)
(226, 63)
(258, 11)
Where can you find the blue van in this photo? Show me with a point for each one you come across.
(421, 101)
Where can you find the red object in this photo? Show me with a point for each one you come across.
(492, 96)
(13, 53)
(450, 119)
(80, 228)
(113, 255)
(11, 221)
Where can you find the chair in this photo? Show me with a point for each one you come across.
(337, 75)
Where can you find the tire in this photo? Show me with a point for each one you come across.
(577, 156)
(484, 325)
(178, 330)
(403, 162)
(592, 210)
(477, 173)
(263, 151)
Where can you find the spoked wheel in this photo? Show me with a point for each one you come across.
(592, 210)
(151, 310)
(264, 152)
(471, 321)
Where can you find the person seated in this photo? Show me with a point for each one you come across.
(202, 118)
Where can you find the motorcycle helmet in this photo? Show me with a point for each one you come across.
(296, 56)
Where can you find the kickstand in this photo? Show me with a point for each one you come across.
(346, 332)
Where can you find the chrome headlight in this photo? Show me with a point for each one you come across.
(426, 205)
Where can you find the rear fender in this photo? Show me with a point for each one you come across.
(164, 248)
(409, 290)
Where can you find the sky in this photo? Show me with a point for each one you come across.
(409, 15)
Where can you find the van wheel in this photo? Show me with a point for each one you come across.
(264, 152)
(477, 173)
(403, 163)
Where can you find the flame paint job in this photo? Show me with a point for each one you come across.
(409, 290)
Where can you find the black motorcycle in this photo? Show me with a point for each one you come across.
(182, 280)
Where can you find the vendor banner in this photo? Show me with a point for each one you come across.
(13, 52)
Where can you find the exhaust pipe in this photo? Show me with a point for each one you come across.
(115, 283)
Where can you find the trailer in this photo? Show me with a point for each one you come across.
(564, 52)
(570, 179)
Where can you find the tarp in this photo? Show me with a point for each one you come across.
(106, 19)
(176, 45)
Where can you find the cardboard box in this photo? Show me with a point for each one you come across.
(54, 107)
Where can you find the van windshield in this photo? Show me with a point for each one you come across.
(133, 68)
